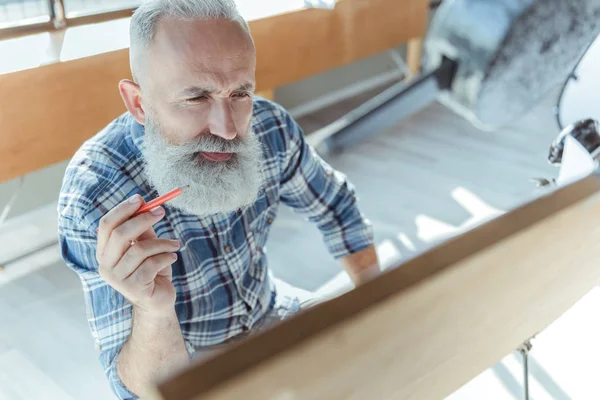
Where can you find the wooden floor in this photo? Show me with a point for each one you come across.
(429, 176)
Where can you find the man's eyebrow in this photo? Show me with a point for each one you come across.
(248, 86)
(194, 91)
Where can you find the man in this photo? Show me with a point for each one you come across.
(193, 274)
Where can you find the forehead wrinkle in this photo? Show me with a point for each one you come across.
(210, 41)
(219, 75)
(208, 61)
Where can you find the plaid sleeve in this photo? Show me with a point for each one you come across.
(109, 314)
(313, 189)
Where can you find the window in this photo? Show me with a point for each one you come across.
(23, 12)
(25, 16)
(75, 8)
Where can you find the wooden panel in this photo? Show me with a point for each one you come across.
(47, 112)
(422, 330)
(267, 94)
(304, 43)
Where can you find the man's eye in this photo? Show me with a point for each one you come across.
(198, 99)
(241, 95)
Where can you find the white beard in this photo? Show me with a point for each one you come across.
(214, 187)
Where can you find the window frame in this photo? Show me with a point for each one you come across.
(58, 20)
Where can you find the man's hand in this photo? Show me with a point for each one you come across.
(141, 271)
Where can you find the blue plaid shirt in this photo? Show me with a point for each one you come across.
(221, 277)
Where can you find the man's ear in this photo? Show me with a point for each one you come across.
(132, 97)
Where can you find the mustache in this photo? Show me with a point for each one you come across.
(155, 144)
(211, 144)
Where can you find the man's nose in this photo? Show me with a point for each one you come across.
(221, 120)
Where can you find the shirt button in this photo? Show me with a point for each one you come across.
(270, 221)
(227, 249)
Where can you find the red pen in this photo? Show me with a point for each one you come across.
(159, 201)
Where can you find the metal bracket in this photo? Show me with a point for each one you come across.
(524, 349)
(543, 182)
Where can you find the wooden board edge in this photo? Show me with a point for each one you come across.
(221, 368)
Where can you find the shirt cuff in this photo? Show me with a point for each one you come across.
(350, 239)
(117, 386)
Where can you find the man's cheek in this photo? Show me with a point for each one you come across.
(190, 129)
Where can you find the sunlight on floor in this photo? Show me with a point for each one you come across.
(30, 264)
(430, 229)
(568, 350)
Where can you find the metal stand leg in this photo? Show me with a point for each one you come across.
(57, 13)
(524, 349)
(6, 210)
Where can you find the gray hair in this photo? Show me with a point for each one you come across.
(145, 20)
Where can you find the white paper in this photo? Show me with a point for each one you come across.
(577, 163)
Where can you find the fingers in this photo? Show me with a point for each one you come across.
(115, 217)
(146, 273)
(121, 237)
(143, 251)
(149, 234)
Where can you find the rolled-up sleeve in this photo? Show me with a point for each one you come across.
(108, 312)
(313, 189)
